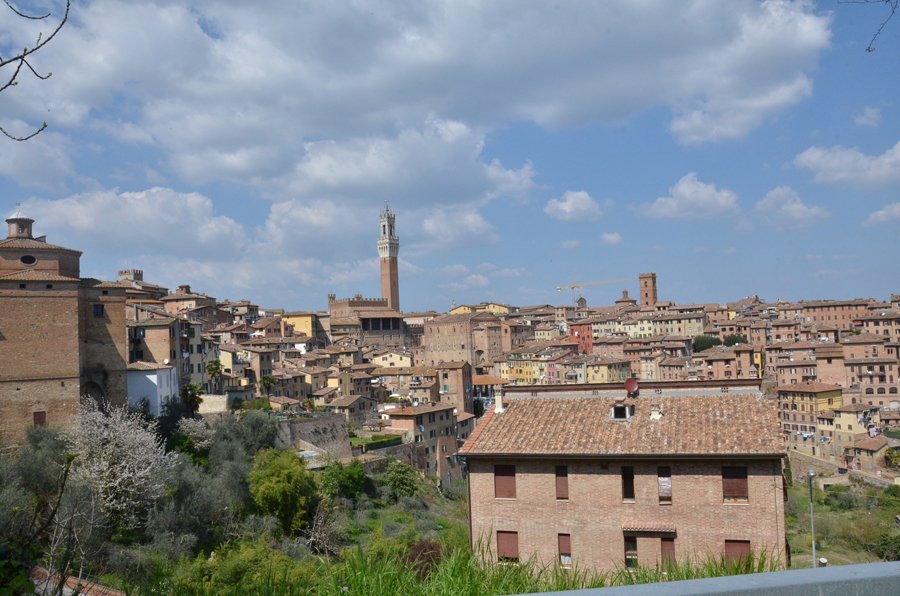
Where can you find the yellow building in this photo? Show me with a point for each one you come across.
(491, 307)
(608, 370)
(304, 323)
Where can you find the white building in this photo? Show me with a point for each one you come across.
(155, 384)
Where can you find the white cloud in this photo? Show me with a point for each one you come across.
(690, 198)
(454, 270)
(573, 206)
(509, 272)
(443, 229)
(870, 116)
(157, 220)
(611, 238)
(842, 165)
(888, 213)
(570, 244)
(470, 282)
(226, 90)
(783, 208)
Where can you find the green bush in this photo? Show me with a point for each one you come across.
(401, 480)
(888, 546)
(283, 488)
(348, 481)
(841, 497)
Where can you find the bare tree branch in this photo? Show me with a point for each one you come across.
(892, 4)
(20, 59)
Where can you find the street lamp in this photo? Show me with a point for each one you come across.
(810, 475)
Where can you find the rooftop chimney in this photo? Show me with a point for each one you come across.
(656, 411)
(498, 403)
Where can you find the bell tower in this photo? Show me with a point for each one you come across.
(388, 248)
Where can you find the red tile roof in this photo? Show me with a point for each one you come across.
(698, 425)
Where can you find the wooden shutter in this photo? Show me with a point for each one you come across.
(735, 550)
(734, 482)
(562, 482)
(504, 482)
(667, 550)
(39, 418)
(565, 544)
(508, 545)
(664, 478)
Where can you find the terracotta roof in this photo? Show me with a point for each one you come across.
(99, 283)
(32, 244)
(826, 415)
(347, 401)
(868, 443)
(697, 425)
(417, 410)
(855, 408)
(36, 275)
(464, 416)
(488, 380)
(811, 387)
(142, 365)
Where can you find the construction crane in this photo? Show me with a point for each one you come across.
(585, 284)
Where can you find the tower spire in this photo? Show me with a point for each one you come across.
(388, 249)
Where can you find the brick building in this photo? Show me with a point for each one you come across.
(61, 336)
(608, 482)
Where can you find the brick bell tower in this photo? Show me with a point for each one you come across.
(388, 248)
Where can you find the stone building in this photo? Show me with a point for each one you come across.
(473, 337)
(61, 336)
(604, 483)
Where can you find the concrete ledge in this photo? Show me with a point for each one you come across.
(869, 579)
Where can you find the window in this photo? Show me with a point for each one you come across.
(667, 550)
(39, 418)
(508, 546)
(565, 550)
(735, 550)
(734, 484)
(664, 479)
(27, 260)
(627, 483)
(631, 555)
(504, 482)
(562, 483)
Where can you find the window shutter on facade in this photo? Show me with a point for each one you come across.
(565, 544)
(667, 550)
(562, 482)
(40, 418)
(507, 545)
(734, 482)
(504, 482)
(664, 477)
(735, 550)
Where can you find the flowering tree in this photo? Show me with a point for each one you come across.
(120, 456)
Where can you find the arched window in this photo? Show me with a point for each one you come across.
(870, 391)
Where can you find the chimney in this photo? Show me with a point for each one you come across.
(656, 411)
(498, 403)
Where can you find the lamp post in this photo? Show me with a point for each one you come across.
(810, 475)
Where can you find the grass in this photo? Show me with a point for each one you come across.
(387, 439)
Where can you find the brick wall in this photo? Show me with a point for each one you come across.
(595, 514)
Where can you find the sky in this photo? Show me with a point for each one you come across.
(246, 148)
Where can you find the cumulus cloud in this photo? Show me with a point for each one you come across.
(226, 90)
(473, 281)
(869, 116)
(690, 198)
(454, 270)
(611, 238)
(850, 166)
(888, 213)
(573, 206)
(570, 244)
(158, 220)
(447, 228)
(783, 208)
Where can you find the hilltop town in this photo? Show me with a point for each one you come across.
(641, 402)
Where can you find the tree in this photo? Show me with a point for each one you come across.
(401, 480)
(705, 342)
(214, 370)
(20, 61)
(190, 398)
(343, 481)
(120, 456)
(282, 487)
(267, 382)
(735, 338)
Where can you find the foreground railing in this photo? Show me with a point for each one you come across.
(869, 579)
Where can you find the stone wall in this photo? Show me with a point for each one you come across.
(328, 433)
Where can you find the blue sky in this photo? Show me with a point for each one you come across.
(246, 148)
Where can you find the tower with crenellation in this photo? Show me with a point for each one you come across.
(388, 248)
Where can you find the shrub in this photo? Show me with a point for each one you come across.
(401, 480)
(424, 557)
(283, 488)
(343, 481)
(840, 497)
(888, 546)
